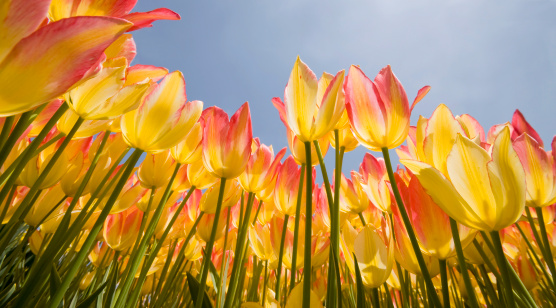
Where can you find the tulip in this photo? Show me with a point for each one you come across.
(374, 182)
(261, 168)
(259, 236)
(101, 255)
(276, 229)
(181, 181)
(226, 143)
(36, 166)
(156, 170)
(44, 206)
(199, 176)
(121, 229)
(232, 193)
(298, 149)
(163, 118)
(145, 200)
(287, 186)
(85, 282)
(104, 96)
(346, 139)
(38, 64)
(378, 110)
(352, 197)
(130, 195)
(485, 191)
(189, 150)
(297, 295)
(86, 129)
(311, 108)
(205, 226)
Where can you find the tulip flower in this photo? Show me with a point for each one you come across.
(261, 168)
(156, 170)
(311, 108)
(374, 250)
(199, 176)
(38, 64)
(104, 96)
(378, 110)
(226, 142)
(101, 252)
(163, 118)
(259, 236)
(352, 197)
(143, 203)
(121, 229)
(287, 185)
(205, 226)
(297, 294)
(181, 181)
(37, 164)
(232, 193)
(60, 9)
(373, 179)
(484, 191)
(189, 150)
(298, 149)
(43, 208)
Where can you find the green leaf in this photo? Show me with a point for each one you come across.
(55, 280)
(91, 299)
(359, 283)
(194, 286)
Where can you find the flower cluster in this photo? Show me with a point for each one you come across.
(117, 190)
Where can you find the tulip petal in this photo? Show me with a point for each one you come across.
(420, 95)
(521, 126)
(300, 100)
(331, 108)
(145, 19)
(18, 19)
(48, 62)
(138, 73)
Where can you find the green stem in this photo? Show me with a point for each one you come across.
(463, 266)
(444, 281)
(502, 266)
(210, 244)
(14, 135)
(145, 240)
(264, 282)
(307, 269)
(279, 269)
(374, 296)
(296, 225)
(410, 231)
(84, 251)
(546, 244)
(6, 129)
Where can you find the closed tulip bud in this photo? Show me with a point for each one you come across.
(297, 147)
(276, 227)
(193, 250)
(374, 249)
(87, 129)
(378, 110)
(404, 253)
(122, 229)
(156, 170)
(261, 168)
(37, 164)
(429, 221)
(199, 176)
(163, 118)
(485, 190)
(320, 248)
(311, 107)
(346, 139)
(45, 203)
(232, 193)
(104, 96)
(352, 197)
(101, 255)
(190, 149)
(259, 237)
(85, 282)
(77, 154)
(130, 195)
(36, 242)
(374, 181)
(205, 226)
(540, 171)
(226, 143)
(181, 181)
(50, 225)
(287, 185)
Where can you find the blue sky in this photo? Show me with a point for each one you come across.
(484, 58)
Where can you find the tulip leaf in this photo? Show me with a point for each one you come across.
(6, 295)
(359, 283)
(89, 300)
(55, 280)
(194, 286)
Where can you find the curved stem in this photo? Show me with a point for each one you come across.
(410, 231)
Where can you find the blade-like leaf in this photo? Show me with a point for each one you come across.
(194, 286)
(91, 299)
(55, 280)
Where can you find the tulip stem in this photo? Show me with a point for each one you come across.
(210, 244)
(374, 297)
(6, 129)
(546, 244)
(410, 231)
(14, 134)
(296, 225)
(264, 282)
(280, 255)
(84, 251)
(307, 268)
(444, 281)
(462, 264)
(502, 266)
